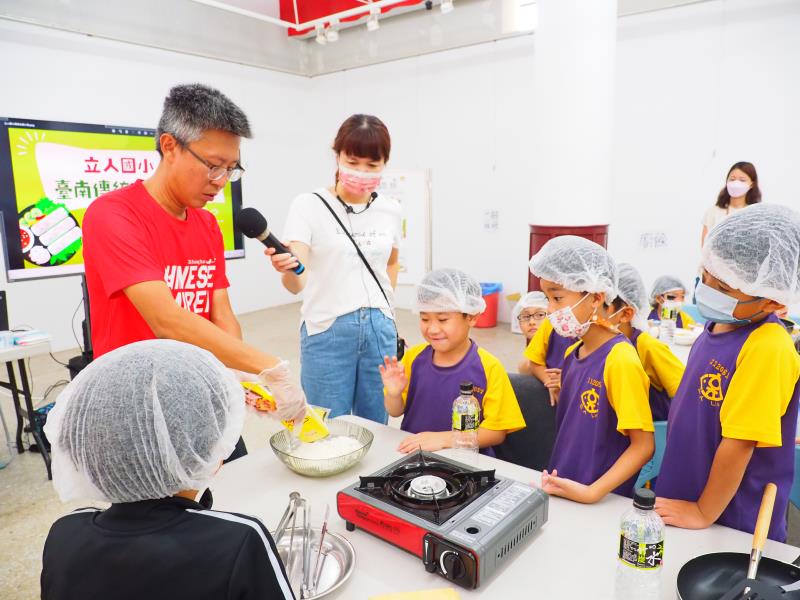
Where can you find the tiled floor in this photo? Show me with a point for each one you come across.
(28, 504)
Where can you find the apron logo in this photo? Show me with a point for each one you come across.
(711, 388)
(590, 400)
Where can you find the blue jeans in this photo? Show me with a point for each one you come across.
(339, 367)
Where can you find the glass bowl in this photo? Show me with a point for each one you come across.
(281, 444)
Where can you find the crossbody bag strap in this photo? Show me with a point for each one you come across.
(355, 245)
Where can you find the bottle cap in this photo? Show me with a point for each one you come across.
(644, 499)
(466, 387)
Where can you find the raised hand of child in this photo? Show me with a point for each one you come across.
(429, 441)
(393, 375)
(567, 488)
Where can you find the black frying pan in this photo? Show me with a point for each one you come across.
(711, 576)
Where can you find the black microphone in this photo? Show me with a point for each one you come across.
(253, 224)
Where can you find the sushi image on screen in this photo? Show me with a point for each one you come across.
(49, 233)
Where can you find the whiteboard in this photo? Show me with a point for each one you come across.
(412, 189)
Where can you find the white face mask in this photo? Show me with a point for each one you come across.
(566, 324)
(737, 189)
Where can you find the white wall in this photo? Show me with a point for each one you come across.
(68, 77)
(698, 88)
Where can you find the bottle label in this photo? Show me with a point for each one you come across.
(462, 422)
(640, 555)
(668, 313)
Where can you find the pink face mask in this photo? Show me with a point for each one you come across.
(566, 324)
(358, 182)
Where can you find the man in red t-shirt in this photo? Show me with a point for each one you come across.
(154, 258)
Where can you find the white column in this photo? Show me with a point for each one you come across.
(575, 51)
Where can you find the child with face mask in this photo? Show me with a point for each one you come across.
(663, 368)
(424, 385)
(669, 289)
(732, 422)
(605, 428)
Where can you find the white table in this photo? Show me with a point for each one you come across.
(680, 351)
(20, 354)
(573, 556)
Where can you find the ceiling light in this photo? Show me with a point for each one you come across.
(321, 39)
(446, 6)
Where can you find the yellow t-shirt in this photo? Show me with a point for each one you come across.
(536, 352)
(431, 390)
(663, 368)
(687, 321)
(761, 388)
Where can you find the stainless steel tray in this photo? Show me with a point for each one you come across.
(338, 560)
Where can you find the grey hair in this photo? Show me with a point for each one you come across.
(191, 109)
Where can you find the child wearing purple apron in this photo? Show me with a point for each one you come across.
(732, 423)
(604, 426)
(423, 386)
(663, 368)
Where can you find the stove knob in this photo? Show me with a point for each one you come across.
(452, 565)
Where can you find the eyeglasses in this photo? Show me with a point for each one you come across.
(537, 316)
(217, 172)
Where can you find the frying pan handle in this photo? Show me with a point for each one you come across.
(762, 528)
(764, 516)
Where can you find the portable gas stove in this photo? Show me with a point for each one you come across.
(463, 523)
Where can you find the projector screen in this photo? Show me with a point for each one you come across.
(50, 172)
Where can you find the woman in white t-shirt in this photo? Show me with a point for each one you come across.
(347, 323)
(741, 190)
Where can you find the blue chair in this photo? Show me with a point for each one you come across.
(651, 469)
(794, 494)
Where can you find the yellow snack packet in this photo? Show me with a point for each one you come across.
(313, 427)
(258, 396)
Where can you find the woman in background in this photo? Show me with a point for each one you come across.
(741, 189)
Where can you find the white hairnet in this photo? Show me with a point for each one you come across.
(144, 422)
(757, 251)
(632, 292)
(529, 300)
(449, 290)
(664, 284)
(577, 264)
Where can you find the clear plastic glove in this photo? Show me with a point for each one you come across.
(290, 401)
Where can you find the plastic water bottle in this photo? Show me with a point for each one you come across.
(669, 318)
(641, 550)
(466, 418)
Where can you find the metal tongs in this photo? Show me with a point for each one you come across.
(309, 578)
